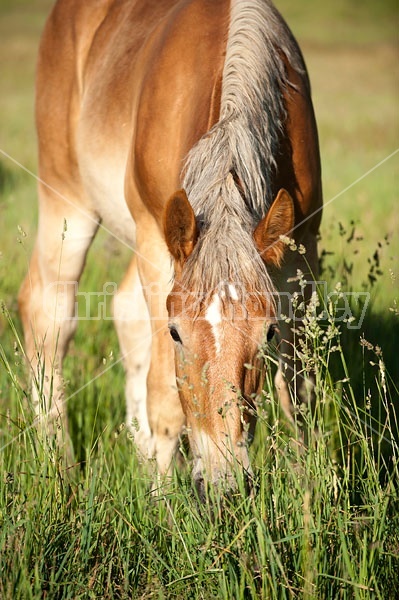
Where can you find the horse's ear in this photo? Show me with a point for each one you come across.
(278, 221)
(180, 227)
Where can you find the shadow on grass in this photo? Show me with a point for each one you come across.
(369, 373)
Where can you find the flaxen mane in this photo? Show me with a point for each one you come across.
(242, 146)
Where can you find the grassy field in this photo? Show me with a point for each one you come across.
(324, 524)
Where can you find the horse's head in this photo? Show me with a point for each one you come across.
(218, 335)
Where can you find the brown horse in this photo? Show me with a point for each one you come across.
(185, 127)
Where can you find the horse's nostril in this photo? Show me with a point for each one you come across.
(199, 484)
(250, 484)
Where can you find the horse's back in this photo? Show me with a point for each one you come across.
(130, 87)
(126, 77)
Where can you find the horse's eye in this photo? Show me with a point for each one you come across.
(175, 334)
(270, 332)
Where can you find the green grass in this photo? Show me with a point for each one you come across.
(324, 523)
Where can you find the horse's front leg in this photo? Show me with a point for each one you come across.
(165, 414)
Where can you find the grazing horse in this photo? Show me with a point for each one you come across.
(186, 128)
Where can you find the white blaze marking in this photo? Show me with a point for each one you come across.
(233, 292)
(214, 317)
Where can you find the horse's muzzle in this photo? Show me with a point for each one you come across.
(225, 487)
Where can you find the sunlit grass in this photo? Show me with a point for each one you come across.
(323, 521)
